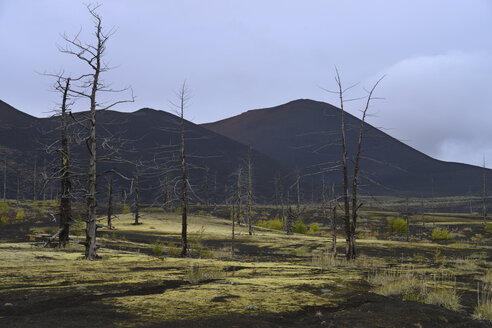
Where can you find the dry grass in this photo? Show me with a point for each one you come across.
(483, 310)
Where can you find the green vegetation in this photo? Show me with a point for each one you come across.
(274, 224)
(398, 225)
(19, 215)
(441, 234)
(300, 227)
(126, 209)
(313, 229)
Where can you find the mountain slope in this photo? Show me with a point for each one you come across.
(306, 134)
(147, 135)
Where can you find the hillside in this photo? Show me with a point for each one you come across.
(147, 135)
(306, 134)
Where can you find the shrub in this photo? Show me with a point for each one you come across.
(488, 228)
(126, 209)
(313, 228)
(174, 251)
(300, 227)
(4, 219)
(201, 212)
(441, 234)
(275, 224)
(483, 310)
(20, 215)
(398, 225)
(178, 210)
(4, 207)
(477, 238)
(261, 224)
(157, 249)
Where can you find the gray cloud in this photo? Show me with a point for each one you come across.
(239, 55)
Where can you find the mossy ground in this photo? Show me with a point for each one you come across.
(272, 279)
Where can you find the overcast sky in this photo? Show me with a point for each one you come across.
(240, 55)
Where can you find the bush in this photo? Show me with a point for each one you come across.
(20, 215)
(157, 249)
(178, 210)
(4, 207)
(488, 228)
(126, 209)
(261, 224)
(398, 225)
(477, 238)
(313, 228)
(441, 234)
(275, 224)
(300, 227)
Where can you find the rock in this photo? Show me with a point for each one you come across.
(252, 307)
(81, 288)
(8, 304)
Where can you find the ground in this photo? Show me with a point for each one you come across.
(273, 280)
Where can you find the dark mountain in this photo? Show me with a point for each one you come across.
(305, 134)
(147, 135)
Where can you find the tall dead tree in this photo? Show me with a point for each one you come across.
(66, 181)
(90, 87)
(351, 212)
(183, 97)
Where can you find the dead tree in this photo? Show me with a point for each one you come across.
(334, 222)
(183, 97)
(207, 202)
(238, 195)
(484, 197)
(110, 203)
(250, 193)
(90, 87)
(351, 210)
(66, 181)
(136, 205)
(233, 220)
(5, 180)
(34, 178)
(215, 193)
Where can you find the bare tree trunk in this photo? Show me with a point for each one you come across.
(110, 203)
(34, 176)
(66, 183)
(5, 180)
(334, 223)
(215, 193)
(207, 203)
(137, 197)
(351, 218)
(298, 192)
(233, 219)
(18, 187)
(238, 197)
(349, 251)
(250, 192)
(184, 182)
(484, 198)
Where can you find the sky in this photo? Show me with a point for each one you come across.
(436, 57)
